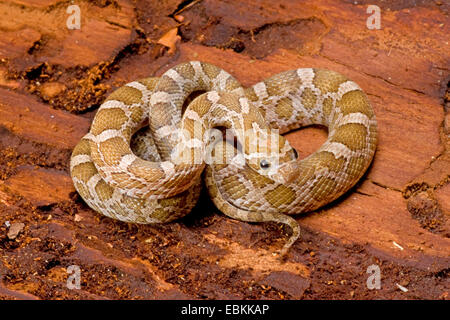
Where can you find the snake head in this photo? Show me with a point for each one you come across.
(286, 173)
(274, 157)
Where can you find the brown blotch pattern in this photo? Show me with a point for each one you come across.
(356, 166)
(106, 119)
(103, 190)
(286, 82)
(355, 101)
(83, 190)
(160, 214)
(168, 84)
(140, 168)
(231, 84)
(309, 98)
(121, 177)
(137, 114)
(251, 94)
(189, 125)
(259, 181)
(272, 88)
(187, 71)
(118, 210)
(201, 105)
(236, 123)
(284, 108)
(128, 131)
(213, 192)
(290, 82)
(84, 171)
(82, 147)
(327, 106)
(327, 159)
(353, 135)
(127, 95)
(235, 188)
(279, 196)
(327, 80)
(177, 201)
(324, 186)
(307, 169)
(150, 83)
(231, 102)
(210, 70)
(113, 150)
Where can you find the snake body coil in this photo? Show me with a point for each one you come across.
(131, 172)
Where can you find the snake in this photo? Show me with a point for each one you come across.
(155, 142)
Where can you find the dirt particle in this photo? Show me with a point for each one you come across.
(15, 229)
(287, 282)
(50, 90)
(447, 124)
(170, 40)
(5, 81)
(178, 18)
(402, 288)
(424, 208)
(404, 283)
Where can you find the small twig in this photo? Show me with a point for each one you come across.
(186, 7)
(397, 245)
(402, 288)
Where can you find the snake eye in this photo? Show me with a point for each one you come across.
(264, 164)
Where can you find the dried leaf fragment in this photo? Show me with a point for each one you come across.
(169, 40)
(178, 18)
(15, 229)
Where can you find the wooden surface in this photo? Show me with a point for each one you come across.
(398, 217)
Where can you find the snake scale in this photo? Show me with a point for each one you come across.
(147, 153)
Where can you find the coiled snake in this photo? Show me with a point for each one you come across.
(143, 158)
